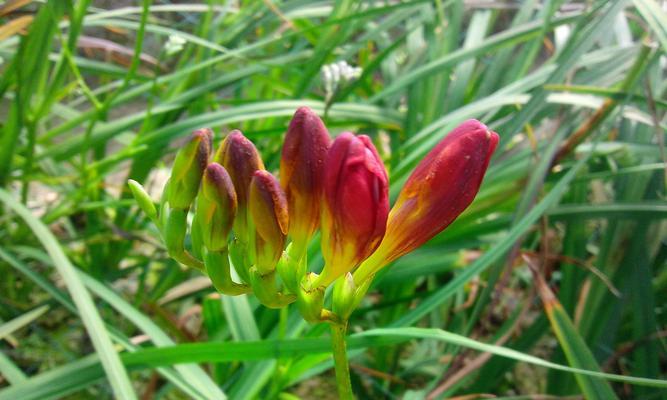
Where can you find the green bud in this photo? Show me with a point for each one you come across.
(143, 200)
(343, 296)
(310, 299)
(216, 208)
(292, 269)
(347, 295)
(191, 160)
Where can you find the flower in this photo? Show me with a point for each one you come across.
(240, 158)
(216, 208)
(301, 172)
(191, 160)
(354, 206)
(268, 208)
(440, 188)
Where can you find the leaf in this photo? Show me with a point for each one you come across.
(97, 333)
(19, 322)
(576, 351)
(62, 298)
(15, 26)
(88, 368)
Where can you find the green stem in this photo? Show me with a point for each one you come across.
(340, 361)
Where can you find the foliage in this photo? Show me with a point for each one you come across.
(560, 263)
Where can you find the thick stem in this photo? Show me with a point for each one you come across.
(340, 361)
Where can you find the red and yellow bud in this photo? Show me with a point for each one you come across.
(216, 208)
(268, 209)
(355, 204)
(440, 188)
(301, 172)
(191, 160)
(241, 159)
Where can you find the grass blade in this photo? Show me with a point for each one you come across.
(19, 322)
(98, 334)
(576, 351)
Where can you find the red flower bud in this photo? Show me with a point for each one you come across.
(268, 208)
(440, 188)
(301, 172)
(355, 206)
(216, 207)
(240, 158)
(189, 165)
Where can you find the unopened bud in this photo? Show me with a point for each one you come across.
(310, 299)
(189, 165)
(440, 188)
(355, 204)
(301, 174)
(268, 209)
(240, 158)
(216, 208)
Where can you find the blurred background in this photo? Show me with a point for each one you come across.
(562, 257)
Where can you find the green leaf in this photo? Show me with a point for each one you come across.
(576, 351)
(88, 369)
(97, 333)
(19, 322)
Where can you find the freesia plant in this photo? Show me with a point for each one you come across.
(248, 220)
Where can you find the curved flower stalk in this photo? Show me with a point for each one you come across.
(244, 214)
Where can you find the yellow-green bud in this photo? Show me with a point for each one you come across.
(191, 160)
(143, 200)
(216, 208)
(268, 209)
(310, 299)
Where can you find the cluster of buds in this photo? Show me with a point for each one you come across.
(247, 219)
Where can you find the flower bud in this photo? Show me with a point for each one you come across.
(301, 172)
(344, 291)
(355, 204)
(240, 158)
(191, 160)
(143, 200)
(440, 188)
(268, 209)
(216, 208)
(310, 299)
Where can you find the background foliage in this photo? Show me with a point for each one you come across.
(561, 258)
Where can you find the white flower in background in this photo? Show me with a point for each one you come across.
(338, 74)
(174, 44)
